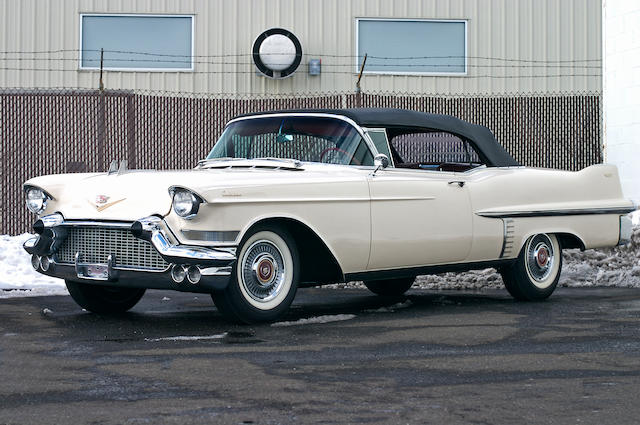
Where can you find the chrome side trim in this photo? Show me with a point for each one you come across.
(211, 236)
(548, 213)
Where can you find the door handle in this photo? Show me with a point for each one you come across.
(460, 183)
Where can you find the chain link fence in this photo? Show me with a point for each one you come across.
(77, 130)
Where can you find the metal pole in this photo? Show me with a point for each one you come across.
(101, 86)
(364, 61)
(102, 125)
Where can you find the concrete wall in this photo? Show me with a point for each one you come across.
(621, 97)
(537, 31)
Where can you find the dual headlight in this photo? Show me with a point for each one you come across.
(184, 202)
(36, 199)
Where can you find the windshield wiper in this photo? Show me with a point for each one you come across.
(295, 162)
(224, 158)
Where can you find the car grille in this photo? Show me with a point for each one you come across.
(95, 244)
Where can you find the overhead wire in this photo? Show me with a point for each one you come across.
(319, 55)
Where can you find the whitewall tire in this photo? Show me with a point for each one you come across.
(535, 273)
(264, 278)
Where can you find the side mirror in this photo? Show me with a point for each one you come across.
(381, 161)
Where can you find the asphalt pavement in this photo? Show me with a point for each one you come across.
(429, 357)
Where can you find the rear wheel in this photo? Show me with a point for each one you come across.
(390, 287)
(536, 272)
(104, 299)
(264, 279)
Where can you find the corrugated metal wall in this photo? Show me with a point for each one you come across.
(531, 30)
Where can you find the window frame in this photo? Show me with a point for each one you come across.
(416, 73)
(138, 15)
(466, 141)
(367, 141)
(387, 141)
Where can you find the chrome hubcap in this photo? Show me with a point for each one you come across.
(540, 257)
(263, 271)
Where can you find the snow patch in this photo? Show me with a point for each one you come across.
(635, 218)
(40, 291)
(17, 277)
(391, 308)
(317, 319)
(187, 338)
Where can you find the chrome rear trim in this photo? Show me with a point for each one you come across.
(626, 230)
(548, 213)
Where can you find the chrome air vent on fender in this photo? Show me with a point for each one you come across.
(508, 236)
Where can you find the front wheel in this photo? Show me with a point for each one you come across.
(103, 299)
(264, 279)
(390, 287)
(536, 272)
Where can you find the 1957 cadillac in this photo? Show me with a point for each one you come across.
(291, 199)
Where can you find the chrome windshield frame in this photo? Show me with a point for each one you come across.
(351, 122)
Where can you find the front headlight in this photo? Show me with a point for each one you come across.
(185, 203)
(36, 200)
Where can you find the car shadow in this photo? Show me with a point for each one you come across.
(191, 314)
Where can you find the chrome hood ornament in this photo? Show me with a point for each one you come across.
(101, 202)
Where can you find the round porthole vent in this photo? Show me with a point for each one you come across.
(277, 53)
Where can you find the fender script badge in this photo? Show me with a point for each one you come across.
(102, 202)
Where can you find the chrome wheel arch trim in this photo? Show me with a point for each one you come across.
(265, 218)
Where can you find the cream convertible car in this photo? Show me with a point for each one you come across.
(300, 198)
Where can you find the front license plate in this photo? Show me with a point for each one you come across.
(97, 271)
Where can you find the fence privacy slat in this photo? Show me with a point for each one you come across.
(48, 132)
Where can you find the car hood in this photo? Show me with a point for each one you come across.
(135, 194)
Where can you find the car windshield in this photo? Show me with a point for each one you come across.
(303, 138)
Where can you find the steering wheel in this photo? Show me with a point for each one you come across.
(341, 151)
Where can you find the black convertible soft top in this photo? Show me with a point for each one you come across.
(397, 119)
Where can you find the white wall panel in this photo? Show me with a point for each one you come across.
(621, 97)
(539, 30)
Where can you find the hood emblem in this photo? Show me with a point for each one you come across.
(101, 202)
(101, 199)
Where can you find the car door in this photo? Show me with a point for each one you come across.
(418, 218)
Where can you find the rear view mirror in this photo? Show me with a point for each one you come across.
(284, 138)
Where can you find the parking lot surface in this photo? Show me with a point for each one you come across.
(340, 356)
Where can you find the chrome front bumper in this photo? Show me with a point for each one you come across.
(140, 279)
(213, 265)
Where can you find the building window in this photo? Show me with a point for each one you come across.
(411, 46)
(137, 42)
